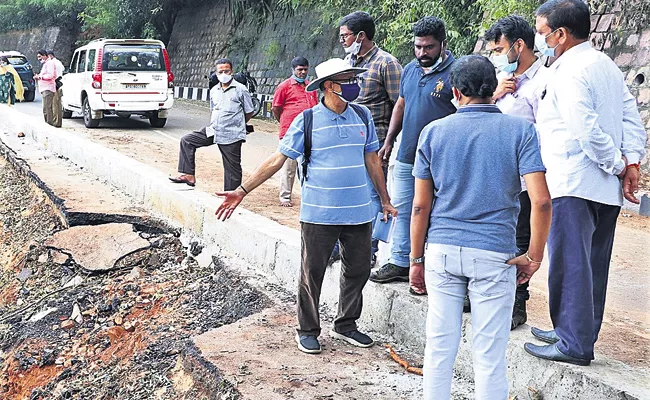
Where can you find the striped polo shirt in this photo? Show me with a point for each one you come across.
(337, 189)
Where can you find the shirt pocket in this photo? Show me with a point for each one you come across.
(229, 105)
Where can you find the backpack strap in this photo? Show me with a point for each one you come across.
(362, 114)
(308, 120)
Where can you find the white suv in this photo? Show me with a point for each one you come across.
(121, 77)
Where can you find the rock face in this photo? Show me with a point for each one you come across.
(97, 248)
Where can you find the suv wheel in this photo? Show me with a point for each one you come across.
(29, 95)
(157, 122)
(88, 112)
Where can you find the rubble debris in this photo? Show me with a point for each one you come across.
(97, 248)
(74, 282)
(135, 274)
(60, 257)
(42, 314)
(24, 274)
(67, 324)
(76, 314)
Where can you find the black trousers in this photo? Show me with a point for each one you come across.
(523, 238)
(230, 154)
(317, 244)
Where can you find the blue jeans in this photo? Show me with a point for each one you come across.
(404, 183)
(451, 272)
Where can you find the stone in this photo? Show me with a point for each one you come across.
(644, 40)
(632, 40)
(623, 60)
(60, 258)
(42, 314)
(42, 259)
(135, 274)
(644, 96)
(24, 274)
(60, 361)
(76, 315)
(118, 320)
(74, 282)
(129, 327)
(97, 248)
(594, 22)
(67, 324)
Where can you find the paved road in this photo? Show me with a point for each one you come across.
(183, 117)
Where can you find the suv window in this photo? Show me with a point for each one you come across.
(128, 57)
(73, 63)
(17, 60)
(91, 59)
(82, 61)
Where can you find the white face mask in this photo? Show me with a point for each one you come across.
(454, 101)
(224, 78)
(354, 47)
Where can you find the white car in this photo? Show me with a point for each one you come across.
(119, 77)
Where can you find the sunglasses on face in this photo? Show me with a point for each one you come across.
(348, 81)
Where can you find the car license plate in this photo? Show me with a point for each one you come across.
(135, 85)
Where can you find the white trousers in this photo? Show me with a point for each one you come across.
(450, 272)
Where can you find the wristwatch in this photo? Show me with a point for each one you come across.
(416, 260)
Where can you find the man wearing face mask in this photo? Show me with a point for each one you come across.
(521, 83)
(336, 202)
(47, 85)
(379, 85)
(425, 96)
(232, 108)
(289, 100)
(592, 143)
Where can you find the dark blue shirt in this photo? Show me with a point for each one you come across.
(426, 99)
(475, 158)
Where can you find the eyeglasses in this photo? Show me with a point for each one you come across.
(344, 36)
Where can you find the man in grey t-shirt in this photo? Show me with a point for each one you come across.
(231, 108)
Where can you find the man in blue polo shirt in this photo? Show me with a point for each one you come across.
(425, 96)
(336, 204)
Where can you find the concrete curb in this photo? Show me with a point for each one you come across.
(273, 250)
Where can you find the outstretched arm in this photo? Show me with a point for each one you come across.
(266, 170)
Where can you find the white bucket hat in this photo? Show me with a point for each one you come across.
(330, 68)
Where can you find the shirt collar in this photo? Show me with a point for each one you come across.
(532, 70)
(329, 114)
(369, 54)
(489, 108)
(295, 82)
(571, 54)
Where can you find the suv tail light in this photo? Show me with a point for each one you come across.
(170, 75)
(97, 75)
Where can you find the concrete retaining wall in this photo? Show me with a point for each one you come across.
(273, 250)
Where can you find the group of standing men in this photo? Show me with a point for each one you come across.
(49, 84)
(562, 118)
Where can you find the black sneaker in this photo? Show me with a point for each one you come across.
(467, 306)
(390, 273)
(373, 260)
(308, 344)
(355, 338)
(519, 316)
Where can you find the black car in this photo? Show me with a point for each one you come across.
(24, 68)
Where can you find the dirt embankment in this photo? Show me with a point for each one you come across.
(68, 333)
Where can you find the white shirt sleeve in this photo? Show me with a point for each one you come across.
(575, 104)
(634, 135)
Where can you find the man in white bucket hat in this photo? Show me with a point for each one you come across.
(340, 154)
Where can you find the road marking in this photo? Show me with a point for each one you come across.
(166, 135)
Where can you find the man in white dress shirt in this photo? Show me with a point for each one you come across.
(592, 140)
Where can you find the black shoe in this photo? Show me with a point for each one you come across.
(467, 306)
(308, 344)
(390, 273)
(545, 336)
(551, 352)
(373, 260)
(354, 337)
(519, 316)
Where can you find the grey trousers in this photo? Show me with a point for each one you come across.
(48, 106)
(230, 153)
(287, 176)
(317, 244)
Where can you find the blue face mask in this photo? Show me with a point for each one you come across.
(349, 91)
(542, 46)
(502, 63)
(299, 80)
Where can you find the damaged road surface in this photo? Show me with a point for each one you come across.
(118, 310)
